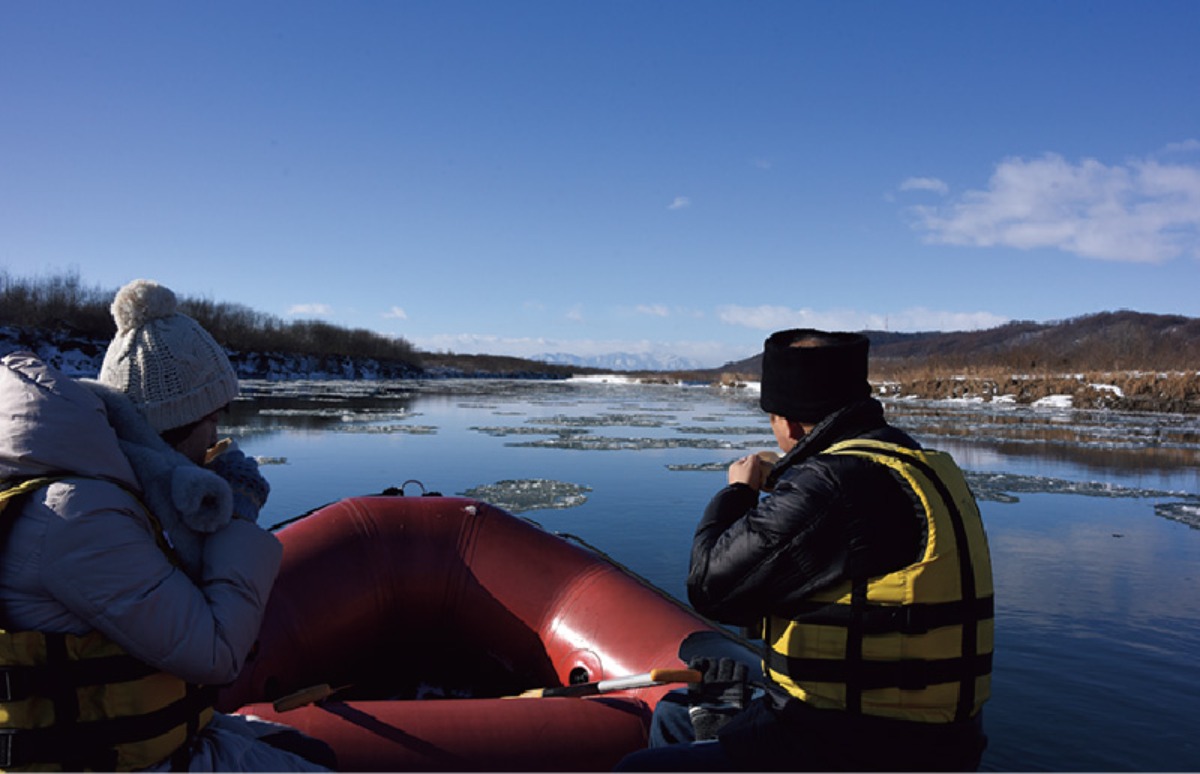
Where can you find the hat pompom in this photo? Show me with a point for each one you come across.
(140, 302)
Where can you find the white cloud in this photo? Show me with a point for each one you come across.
(1187, 146)
(575, 313)
(311, 310)
(680, 203)
(395, 313)
(925, 184)
(1143, 211)
(653, 310)
(772, 318)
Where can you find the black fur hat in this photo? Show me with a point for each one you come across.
(808, 374)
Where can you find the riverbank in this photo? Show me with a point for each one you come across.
(1176, 393)
(81, 356)
(1137, 391)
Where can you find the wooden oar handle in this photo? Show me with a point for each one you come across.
(632, 682)
(675, 675)
(303, 698)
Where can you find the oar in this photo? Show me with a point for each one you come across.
(645, 680)
(306, 696)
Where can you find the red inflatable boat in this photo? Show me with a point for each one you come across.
(423, 615)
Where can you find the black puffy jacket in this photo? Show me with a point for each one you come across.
(828, 518)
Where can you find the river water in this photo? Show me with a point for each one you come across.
(1093, 519)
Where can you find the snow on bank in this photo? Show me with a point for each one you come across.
(750, 387)
(1054, 402)
(604, 379)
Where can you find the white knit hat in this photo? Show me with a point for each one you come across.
(169, 366)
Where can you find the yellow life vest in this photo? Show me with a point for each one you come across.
(915, 644)
(81, 702)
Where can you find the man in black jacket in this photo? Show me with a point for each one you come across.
(864, 569)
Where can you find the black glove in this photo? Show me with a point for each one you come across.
(721, 693)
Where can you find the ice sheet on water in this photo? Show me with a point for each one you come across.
(725, 430)
(1097, 429)
(518, 495)
(505, 430)
(604, 420)
(339, 413)
(1003, 487)
(386, 429)
(1186, 513)
(601, 443)
(703, 467)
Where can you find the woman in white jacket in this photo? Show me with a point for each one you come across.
(133, 577)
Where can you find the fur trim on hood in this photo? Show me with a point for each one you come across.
(190, 501)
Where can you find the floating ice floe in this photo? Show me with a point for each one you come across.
(502, 431)
(604, 420)
(385, 429)
(727, 430)
(600, 443)
(1000, 487)
(701, 467)
(518, 495)
(1185, 513)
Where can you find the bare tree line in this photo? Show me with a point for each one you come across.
(1102, 342)
(62, 302)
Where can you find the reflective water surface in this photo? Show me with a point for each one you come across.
(1093, 520)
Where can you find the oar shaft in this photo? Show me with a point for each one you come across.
(645, 680)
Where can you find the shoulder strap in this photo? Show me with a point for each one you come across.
(13, 488)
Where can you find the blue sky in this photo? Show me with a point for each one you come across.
(589, 177)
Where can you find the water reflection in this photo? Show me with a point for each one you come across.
(1102, 441)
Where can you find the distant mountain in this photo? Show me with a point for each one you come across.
(621, 361)
(1107, 341)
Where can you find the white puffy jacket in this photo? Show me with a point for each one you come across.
(81, 554)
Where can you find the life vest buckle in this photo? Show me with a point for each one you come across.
(6, 737)
(10, 738)
(12, 687)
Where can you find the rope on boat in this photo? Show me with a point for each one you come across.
(391, 491)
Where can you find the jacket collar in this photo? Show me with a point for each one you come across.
(852, 421)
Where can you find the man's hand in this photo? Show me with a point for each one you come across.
(749, 470)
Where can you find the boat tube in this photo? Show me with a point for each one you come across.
(414, 621)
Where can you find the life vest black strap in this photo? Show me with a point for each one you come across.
(908, 674)
(15, 488)
(66, 707)
(966, 571)
(854, 649)
(917, 618)
(95, 741)
(19, 682)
